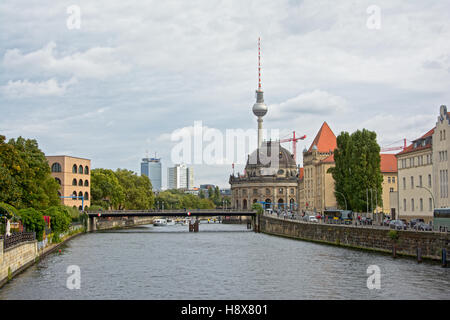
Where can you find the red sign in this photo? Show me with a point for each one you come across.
(189, 213)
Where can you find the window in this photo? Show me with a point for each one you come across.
(56, 167)
(74, 168)
(280, 190)
(86, 170)
(80, 169)
(412, 182)
(404, 204)
(421, 204)
(404, 183)
(86, 196)
(430, 204)
(412, 204)
(255, 192)
(80, 195)
(391, 190)
(393, 179)
(429, 180)
(74, 195)
(267, 191)
(420, 181)
(389, 179)
(292, 190)
(80, 182)
(86, 183)
(74, 182)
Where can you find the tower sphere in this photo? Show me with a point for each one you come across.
(259, 109)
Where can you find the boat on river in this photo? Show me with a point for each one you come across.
(170, 222)
(160, 222)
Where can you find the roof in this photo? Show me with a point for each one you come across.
(329, 159)
(325, 139)
(411, 148)
(388, 162)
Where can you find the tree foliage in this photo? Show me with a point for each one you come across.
(357, 169)
(60, 218)
(25, 178)
(33, 221)
(177, 199)
(121, 189)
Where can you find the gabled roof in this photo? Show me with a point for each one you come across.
(325, 139)
(388, 162)
(329, 159)
(411, 148)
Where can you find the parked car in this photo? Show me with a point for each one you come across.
(386, 222)
(398, 225)
(413, 222)
(312, 219)
(422, 226)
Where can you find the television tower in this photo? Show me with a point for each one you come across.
(259, 108)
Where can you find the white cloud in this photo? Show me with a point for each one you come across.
(96, 62)
(25, 88)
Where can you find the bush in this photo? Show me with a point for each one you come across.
(60, 219)
(393, 234)
(33, 221)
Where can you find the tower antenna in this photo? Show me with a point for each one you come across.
(259, 64)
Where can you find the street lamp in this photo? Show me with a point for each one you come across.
(343, 197)
(432, 197)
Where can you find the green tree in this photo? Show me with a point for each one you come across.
(357, 169)
(137, 190)
(33, 221)
(210, 192)
(106, 190)
(201, 194)
(60, 219)
(25, 178)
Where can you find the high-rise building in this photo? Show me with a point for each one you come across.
(180, 177)
(151, 167)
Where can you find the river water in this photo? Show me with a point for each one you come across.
(220, 262)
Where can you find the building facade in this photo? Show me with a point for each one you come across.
(74, 177)
(441, 165)
(317, 185)
(388, 168)
(151, 167)
(180, 177)
(415, 179)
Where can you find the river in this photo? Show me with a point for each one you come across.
(220, 262)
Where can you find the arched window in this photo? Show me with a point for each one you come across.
(56, 167)
(80, 208)
(74, 182)
(86, 196)
(244, 204)
(80, 182)
(80, 195)
(74, 195)
(80, 169)
(86, 183)
(58, 180)
(280, 203)
(74, 168)
(86, 170)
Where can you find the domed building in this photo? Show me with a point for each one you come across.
(273, 184)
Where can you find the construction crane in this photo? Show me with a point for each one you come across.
(395, 148)
(294, 143)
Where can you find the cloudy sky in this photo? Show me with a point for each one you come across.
(135, 71)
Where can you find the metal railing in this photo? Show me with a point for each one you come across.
(19, 237)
